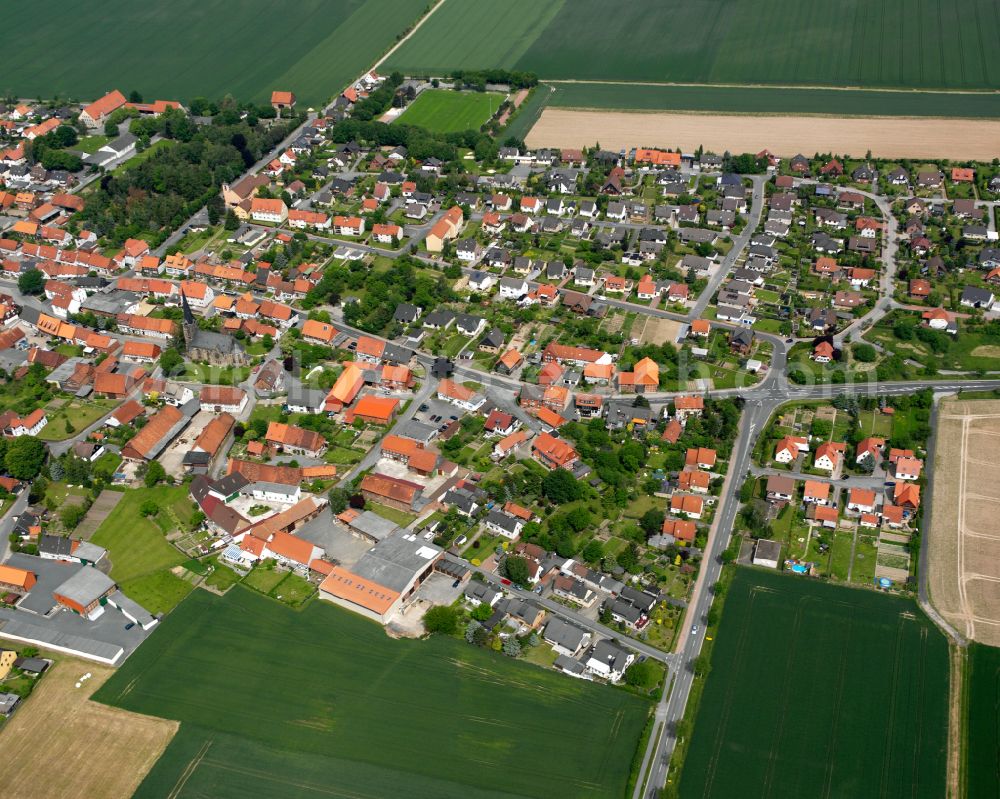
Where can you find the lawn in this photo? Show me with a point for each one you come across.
(158, 592)
(80, 416)
(853, 43)
(445, 111)
(216, 375)
(982, 730)
(91, 144)
(400, 517)
(324, 45)
(817, 689)
(441, 717)
(141, 557)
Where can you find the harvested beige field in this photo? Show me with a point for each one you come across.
(61, 745)
(659, 331)
(964, 537)
(887, 137)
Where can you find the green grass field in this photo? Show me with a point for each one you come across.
(180, 49)
(446, 111)
(894, 44)
(721, 41)
(141, 557)
(820, 690)
(982, 738)
(321, 702)
(764, 100)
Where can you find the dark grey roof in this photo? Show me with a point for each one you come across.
(503, 521)
(55, 545)
(405, 312)
(564, 634)
(230, 484)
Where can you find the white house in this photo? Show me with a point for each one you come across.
(512, 288)
(908, 468)
(608, 661)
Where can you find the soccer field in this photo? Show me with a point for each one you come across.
(322, 703)
(982, 737)
(180, 49)
(446, 111)
(820, 690)
(853, 43)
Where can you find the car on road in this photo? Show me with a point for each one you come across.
(789, 340)
(694, 629)
(423, 407)
(130, 625)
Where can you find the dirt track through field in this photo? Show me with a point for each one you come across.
(964, 538)
(61, 745)
(888, 137)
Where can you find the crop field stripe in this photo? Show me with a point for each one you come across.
(425, 713)
(852, 707)
(983, 722)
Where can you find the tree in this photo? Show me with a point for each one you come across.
(865, 353)
(31, 282)
(155, 473)
(746, 490)
(216, 209)
(134, 96)
(651, 522)
(72, 515)
(470, 630)
(512, 647)
(232, 221)
(339, 498)
(25, 457)
(482, 612)
(110, 128)
(149, 508)
(515, 568)
(170, 360)
(643, 674)
(561, 487)
(593, 552)
(442, 619)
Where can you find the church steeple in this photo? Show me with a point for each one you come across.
(190, 325)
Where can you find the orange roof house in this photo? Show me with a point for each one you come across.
(816, 491)
(281, 100)
(701, 456)
(360, 594)
(644, 377)
(215, 433)
(322, 332)
(295, 439)
(343, 392)
(672, 432)
(657, 157)
(700, 327)
(681, 529)
(373, 410)
(95, 114)
(687, 504)
(907, 496)
(16, 580)
(552, 452)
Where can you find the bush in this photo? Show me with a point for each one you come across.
(865, 353)
(643, 674)
(442, 619)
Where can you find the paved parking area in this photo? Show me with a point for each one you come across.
(175, 453)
